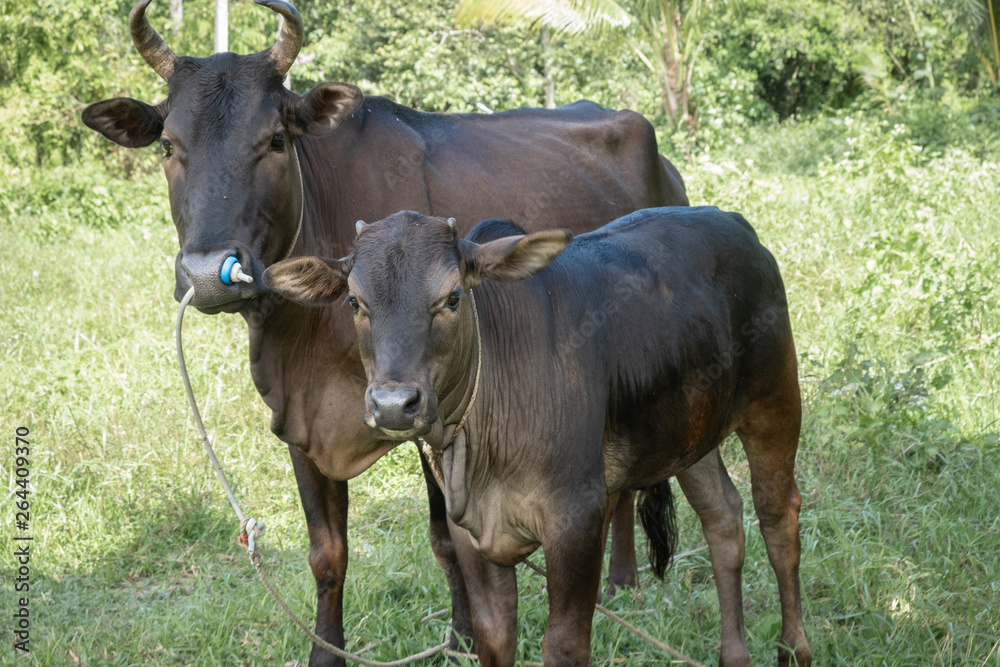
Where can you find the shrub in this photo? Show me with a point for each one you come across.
(54, 201)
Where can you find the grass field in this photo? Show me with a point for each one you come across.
(889, 247)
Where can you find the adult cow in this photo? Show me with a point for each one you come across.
(570, 374)
(259, 173)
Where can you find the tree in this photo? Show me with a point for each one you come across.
(667, 35)
(995, 74)
(959, 36)
(982, 17)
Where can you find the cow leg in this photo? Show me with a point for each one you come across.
(325, 504)
(573, 555)
(444, 550)
(622, 569)
(770, 436)
(719, 506)
(492, 597)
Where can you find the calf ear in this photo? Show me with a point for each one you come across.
(127, 122)
(512, 257)
(309, 281)
(324, 108)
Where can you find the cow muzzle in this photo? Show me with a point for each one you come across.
(223, 280)
(399, 410)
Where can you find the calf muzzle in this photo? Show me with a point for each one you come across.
(398, 410)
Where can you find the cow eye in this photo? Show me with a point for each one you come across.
(454, 299)
(353, 302)
(278, 142)
(168, 148)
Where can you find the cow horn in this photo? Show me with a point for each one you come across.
(359, 225)
(148, 43)
(289, 42)
(452, 223)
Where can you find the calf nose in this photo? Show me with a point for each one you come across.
(395, 409)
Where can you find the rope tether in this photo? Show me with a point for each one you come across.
(250, 528)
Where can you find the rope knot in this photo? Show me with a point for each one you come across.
(250, 530)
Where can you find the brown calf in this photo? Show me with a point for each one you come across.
(578, 370)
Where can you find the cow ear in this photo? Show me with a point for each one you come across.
(127, 122)
(324, 108)
(510, 258)
(310, 281)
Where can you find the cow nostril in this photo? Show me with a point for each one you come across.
(412, 405)
(232, 272)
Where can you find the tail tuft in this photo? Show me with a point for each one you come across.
(659, 519)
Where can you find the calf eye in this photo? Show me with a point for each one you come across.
(454, 299)
(353, 302)
(168, 148)
(278, 142)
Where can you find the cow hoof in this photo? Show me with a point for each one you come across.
(801, 658)
(460, 642)
(620, 581)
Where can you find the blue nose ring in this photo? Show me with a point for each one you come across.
(232, 272)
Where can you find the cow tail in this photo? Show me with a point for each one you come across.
(659, 519)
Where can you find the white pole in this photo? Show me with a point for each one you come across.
(221, 25)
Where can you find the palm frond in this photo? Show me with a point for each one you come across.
(976, 11)
(561, 16)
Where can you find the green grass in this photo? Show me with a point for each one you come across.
(889, 255)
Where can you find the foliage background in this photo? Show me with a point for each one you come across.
(860, 140)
